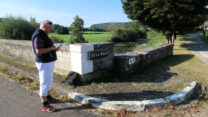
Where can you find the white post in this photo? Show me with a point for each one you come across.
(79, 58)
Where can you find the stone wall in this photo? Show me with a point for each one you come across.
(22, 51)
(87, 59)
(133, 60)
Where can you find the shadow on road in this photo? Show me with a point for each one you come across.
(74, 108)
(195, 44)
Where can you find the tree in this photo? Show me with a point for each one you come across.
(137, 26)
(60, 29)
(130, 32)
(169, 16)
(17, 28)
(93, 28)
(77, 28)
(56, 27)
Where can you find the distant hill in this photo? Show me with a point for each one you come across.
(103, 26)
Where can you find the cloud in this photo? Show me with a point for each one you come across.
(26, 11)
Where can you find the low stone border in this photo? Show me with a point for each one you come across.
(135, 105)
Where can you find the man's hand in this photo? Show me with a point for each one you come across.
(57, 49)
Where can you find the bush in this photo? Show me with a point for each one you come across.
(126, 35)
(56, 40)
(60, 29)
(16, 28)
(129, 32)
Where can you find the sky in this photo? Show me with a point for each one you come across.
(63, 11)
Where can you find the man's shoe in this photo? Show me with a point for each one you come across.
(48, 108)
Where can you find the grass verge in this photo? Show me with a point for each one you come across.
(15, 61)
(27, 82)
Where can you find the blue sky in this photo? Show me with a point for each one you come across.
(63, 11)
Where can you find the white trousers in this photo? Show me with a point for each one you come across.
(45, 76)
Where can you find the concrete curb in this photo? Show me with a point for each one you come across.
(135, 105)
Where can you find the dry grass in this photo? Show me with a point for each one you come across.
(193, 69)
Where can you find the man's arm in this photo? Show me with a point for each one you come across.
(45, 50)
(39, 46)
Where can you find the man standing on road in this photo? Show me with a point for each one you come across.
(45, 52)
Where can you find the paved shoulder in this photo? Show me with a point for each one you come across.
(16, 101)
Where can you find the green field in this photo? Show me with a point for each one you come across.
(89, 36)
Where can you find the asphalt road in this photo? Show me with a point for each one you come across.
(199, 48)
(16, 101)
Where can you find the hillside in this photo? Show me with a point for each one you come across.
(103, 26)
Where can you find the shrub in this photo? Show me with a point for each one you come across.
(16, 28)
(56, 40)
(60, 29)
(129, 32)
(126, 35)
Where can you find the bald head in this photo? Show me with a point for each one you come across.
(46, 26)
(45, 23)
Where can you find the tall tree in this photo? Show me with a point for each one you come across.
(77, 28)
(169, 16)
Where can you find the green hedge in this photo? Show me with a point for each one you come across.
(17, 28)
(125, 35)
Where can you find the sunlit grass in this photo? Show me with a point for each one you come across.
(91, 37)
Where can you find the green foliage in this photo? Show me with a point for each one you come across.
(155, 39)
(129, 33)
(124, 35)
(77, 28)
(95, 28)
(56, 39)
(17, 28)
(60, 29)
(169, 16)
(32, 88)
(104, 26)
